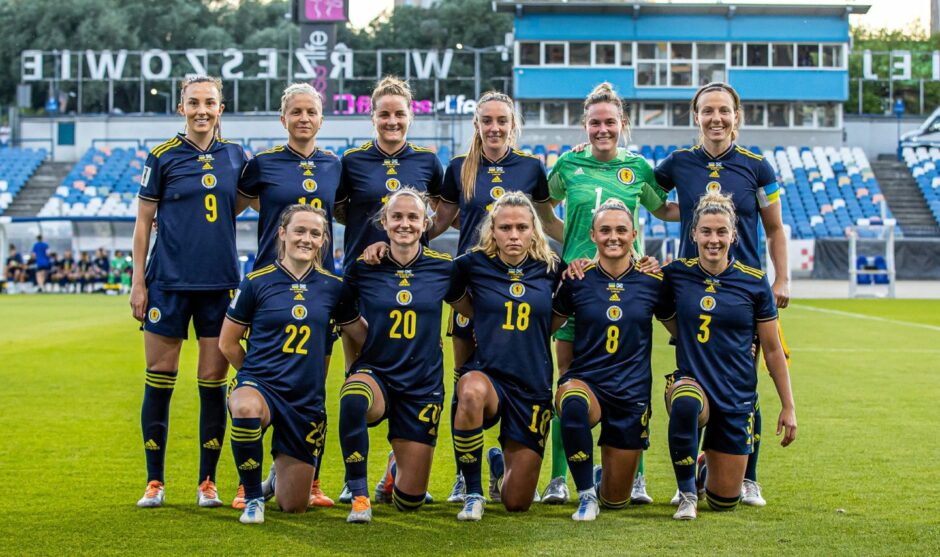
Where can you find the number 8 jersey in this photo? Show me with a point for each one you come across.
(196, 192)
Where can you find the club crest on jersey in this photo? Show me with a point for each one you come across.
(390, 165)
(404, 275)
(154, 315)
(462, 321)
(615, 288)
(517, 290)
(614, 313)
(307, 167)
(298, 312)
(310, 185)
(496, 192)
(392, 184)
(209, 181)
(707, 303)
(714, 168)
(711, 283)
(403, 297)
(626, 176)
(713, 187)
(495, 172)
(206, 160)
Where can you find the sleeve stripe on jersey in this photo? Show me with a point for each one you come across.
(747, 153)
(343, 324)
(765, 319)
(145, 198)
(272, 150)
(243, 194)
(437, 255)
(461, 297)
(748, 270)
(669, 318)
(364, 147)
(164, 147)
(262, 271)
(323, 271)
(768, 195)
(233, 320)
(560, 314)
(420, 149)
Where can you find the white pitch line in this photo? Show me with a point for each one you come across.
(800, 350)
(868, 317)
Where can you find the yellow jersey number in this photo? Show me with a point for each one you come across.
(315, 202)
(521, 320)
(404, 324)
(613, 339)
(540, 420)
(301, 335)
(212, 208)
(703, 332)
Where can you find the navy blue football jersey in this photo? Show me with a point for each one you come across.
(515, 171)
(281, 177)
(370, 176)
(196, 192)
(746, 177)
(512, 318)
(716, 317)
(613, 332)
(402, 304)
(289, 317)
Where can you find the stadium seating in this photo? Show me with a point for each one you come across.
(923, 163)
(17, 165)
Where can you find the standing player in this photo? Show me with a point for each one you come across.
(376, 169)
(298, 172)
(189, 187)
(43, 265)
(288, 305)
(718, 305)
(717, 164)
(584, 180)
(399, 375)
(610, 379)
(506, 282)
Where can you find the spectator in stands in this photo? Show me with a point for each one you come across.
(15, 270)
(43, 265)
(338, 258)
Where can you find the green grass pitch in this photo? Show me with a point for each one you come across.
(860, 479)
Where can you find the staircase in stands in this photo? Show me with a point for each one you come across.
(904, 198)
(38, 189)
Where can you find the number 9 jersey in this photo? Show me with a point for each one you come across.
(196, 192)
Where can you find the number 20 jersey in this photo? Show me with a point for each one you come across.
(512, 319)
(402, 304)
(196, 192)
(289, 317)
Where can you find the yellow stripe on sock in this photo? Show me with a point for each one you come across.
(211, 382)
(576, 392)
(687, 391)
(612, 504)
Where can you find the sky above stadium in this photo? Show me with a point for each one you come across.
(892, 14)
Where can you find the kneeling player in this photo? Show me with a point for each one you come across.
(507, 282)
(717, 306)
(280, 379)
(399, 375)
(609, 380)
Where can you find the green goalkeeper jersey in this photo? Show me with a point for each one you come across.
(584, 183)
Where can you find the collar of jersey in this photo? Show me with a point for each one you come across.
(291, 275)
(701, 147)
(287, 147)
(507, 265)
(604, 272)
(389, 155)
(390, 259)
(731, 261)
(184, 139)
(499, 160)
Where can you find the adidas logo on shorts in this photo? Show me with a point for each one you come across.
(355, 457)
(249, 464)
(687, 461)
(151, 445)
(578, 457)
(212, 444)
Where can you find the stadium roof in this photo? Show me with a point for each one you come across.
(520, 7)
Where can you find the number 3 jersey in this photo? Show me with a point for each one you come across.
(716, 317)
(288, 319)
(402, 304)
(281, 177)
(196, 191)
(512, 319)
(613, 334)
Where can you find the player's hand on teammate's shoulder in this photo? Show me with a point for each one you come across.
(649, 264)
(576, 268)
(580, 147)
(786, 424)
(373, 254)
